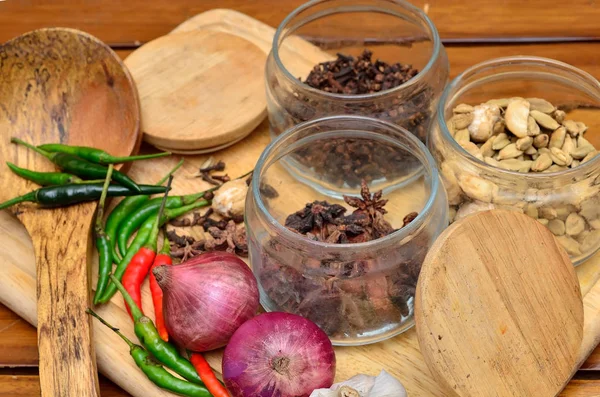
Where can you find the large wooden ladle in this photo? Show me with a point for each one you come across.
(62, 85)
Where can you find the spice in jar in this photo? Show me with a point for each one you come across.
(345, 298)
(348, 75)
(530, 136)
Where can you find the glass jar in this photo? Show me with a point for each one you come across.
(394, 30)
(358, 292)
(556, 199)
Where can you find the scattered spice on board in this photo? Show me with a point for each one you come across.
(342, 297)
(360, 159)
(221, 225)
(206, 172)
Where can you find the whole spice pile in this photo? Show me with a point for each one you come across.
(360, 159)
(221, 226)
(526, 136)
(344, 297)
(351, 76)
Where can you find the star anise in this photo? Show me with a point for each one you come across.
(367, 202)
(232, 239)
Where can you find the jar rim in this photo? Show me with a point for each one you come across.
(423, 155)
(435, 37)
(513, 60)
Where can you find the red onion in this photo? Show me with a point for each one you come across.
(206, 299)
(277, 355)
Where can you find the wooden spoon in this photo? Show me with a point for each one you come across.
(498, 308)
(62, 85)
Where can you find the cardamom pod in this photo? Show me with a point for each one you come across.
(581, 152)
(516, 116)
(541, 163)
(543, 221)
(541, 105)
(575, 163)
(491, 161)
(544, 120)
(463, 108)
(533, 129)
(462, 136)
(541, 140)
(575, 224)
(569, 145)
(477, 188)
(547, 213)
(572, 127)
(509, 152)
(559, 157)
(524, 143)
(582, 127)
(557, 227)
(499, 127)
(570, 245)
(557, 139)
(472, 149)
(531, 151)
(516, 165)
(461, 120)
(591, 242)
(559, 115)
(555, 168)
(500, 142)
(487, 149)
(501, 103)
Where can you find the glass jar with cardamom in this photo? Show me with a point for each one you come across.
(375, 58)
(522, 133)
(349, 264)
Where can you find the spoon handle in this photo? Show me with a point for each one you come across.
(61, 239)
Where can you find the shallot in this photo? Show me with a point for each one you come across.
(206, 299)
(277, 355)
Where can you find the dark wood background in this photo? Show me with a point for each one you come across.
(472, 31)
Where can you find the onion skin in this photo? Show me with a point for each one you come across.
(206, 299)
(278, 355)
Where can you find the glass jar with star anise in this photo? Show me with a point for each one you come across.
(347, 259)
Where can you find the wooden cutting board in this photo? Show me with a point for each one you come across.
(400, 355)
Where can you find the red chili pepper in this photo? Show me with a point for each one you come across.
(163, 258)
(140, 264)
(214, 386)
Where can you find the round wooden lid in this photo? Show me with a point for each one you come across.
(199, 89)
(498, 308)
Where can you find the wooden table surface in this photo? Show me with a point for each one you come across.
(471, 30)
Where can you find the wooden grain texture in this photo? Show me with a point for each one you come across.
(17, 385)
(487, 308)
(199, 89)
(59, 86)
(127, 22)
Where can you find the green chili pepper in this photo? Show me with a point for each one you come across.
(44, 178)
(80, 167)
(154, 371)
(148, 335)
(57, 196)
(105, 257)
(96, 155)
(141, 238)
(125, 208)
(131, 223)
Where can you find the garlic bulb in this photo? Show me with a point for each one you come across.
(230, 198)
(382, 385)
